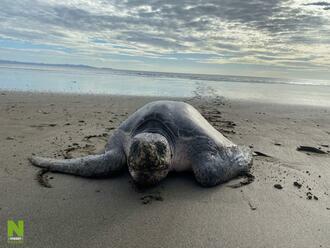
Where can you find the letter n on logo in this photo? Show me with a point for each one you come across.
(15, 231)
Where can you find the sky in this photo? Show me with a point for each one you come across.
(268, 38)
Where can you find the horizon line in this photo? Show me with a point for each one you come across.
(13, 62)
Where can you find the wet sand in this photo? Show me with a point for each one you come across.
(287, 205)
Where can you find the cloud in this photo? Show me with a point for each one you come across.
(317, 4)
(325, 5)
(225, 31)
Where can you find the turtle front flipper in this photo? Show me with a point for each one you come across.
(213, 168)
(102, 165)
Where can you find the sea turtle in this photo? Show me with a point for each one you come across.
(160, 137)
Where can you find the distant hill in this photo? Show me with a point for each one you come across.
(44, 64)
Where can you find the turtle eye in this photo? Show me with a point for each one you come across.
(161, 148)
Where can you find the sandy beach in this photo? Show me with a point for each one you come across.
(287, 205)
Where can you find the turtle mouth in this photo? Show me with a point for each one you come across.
(145, 177)
(153, 170)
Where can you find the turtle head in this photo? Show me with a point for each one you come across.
(149, 158)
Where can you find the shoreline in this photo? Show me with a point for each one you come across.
(110, 212)
(208, 97)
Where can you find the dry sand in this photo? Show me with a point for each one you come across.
(79, 212)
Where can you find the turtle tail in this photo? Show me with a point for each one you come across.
(89, 166)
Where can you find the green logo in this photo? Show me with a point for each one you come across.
(15, 231)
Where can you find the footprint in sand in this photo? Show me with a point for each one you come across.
(93, 144)
(311, 150)
(44, 125)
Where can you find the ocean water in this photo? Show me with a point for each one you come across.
(93, 81)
